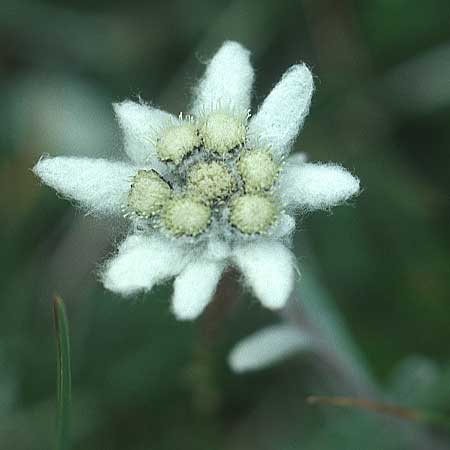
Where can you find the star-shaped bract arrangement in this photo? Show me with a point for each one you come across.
(208, 189)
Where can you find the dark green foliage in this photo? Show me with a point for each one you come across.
(143, 381)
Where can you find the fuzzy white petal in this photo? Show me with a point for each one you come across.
(297, 158)
(317, 186)
(227, 81)
(217, 249)
(283, 112)
(141, 262)
(284, 227)
(268, 268)
(194, 288)
(98, 185)
(268, 347)
(141, 125)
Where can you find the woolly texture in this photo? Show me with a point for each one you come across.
(258, 170)
(297, 158)
(186, 216)
(141, 125)
(176, 141)
(98, 185)
(148, 193)
(283, 112)
(267, 347)
(227, 82)
(253, 213)
(217, 250)
(141, 262)
(317, 186)
(222, 132)
(211, 180)
(285, 226)
(268, 268)
(194, 288)
(207, 190)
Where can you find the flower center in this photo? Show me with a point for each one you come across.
(177, 141)
(186, 216)
(258, 170)
(211, 180)
(148, 193)
(253, 213)
(223, 181)
(222, 132)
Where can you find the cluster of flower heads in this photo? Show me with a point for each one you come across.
(216, 181)
(209, 189)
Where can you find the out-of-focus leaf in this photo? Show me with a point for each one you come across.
(268, 346)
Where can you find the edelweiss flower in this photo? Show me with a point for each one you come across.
(207, 190)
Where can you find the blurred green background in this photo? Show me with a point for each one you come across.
(141, 379)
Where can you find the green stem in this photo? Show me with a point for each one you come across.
(63, 373)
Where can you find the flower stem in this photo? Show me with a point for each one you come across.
(412, 414)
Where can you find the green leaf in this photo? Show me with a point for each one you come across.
(63, 374)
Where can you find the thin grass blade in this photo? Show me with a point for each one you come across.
(64, 386)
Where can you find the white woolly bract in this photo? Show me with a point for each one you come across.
(227, 82)
(284, 227)
(267, 347)
(141, 125)
(283, 112)
(194, 288)
(98, 185)
(298, 158)
(268, 268)
(316, 186)
(217, 249)
(141, 262)
(239, 215)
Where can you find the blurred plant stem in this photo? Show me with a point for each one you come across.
(225, 299)
(313, 311)
(63, 374)
(417, 415)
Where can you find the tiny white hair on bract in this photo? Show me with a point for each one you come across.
(98, 185)
(317, 186)
(227, 82)
(268, 268)
(141, 124)
(283, 112)
(141, 262)
(207, 190)
(194, 288)
(268, 347)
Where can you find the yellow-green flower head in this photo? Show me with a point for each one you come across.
(177, 140)
(222, 131)
(209, 189)
(253, 213)
(258, 170)
(148, 193)
(211, 180)
(186, 216)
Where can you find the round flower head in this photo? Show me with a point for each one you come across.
(211, 180)
(253, 213)
(186, 216)
(258, 170)
(177, 140)
(148, 193)
(222, 132)
(211, 189)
